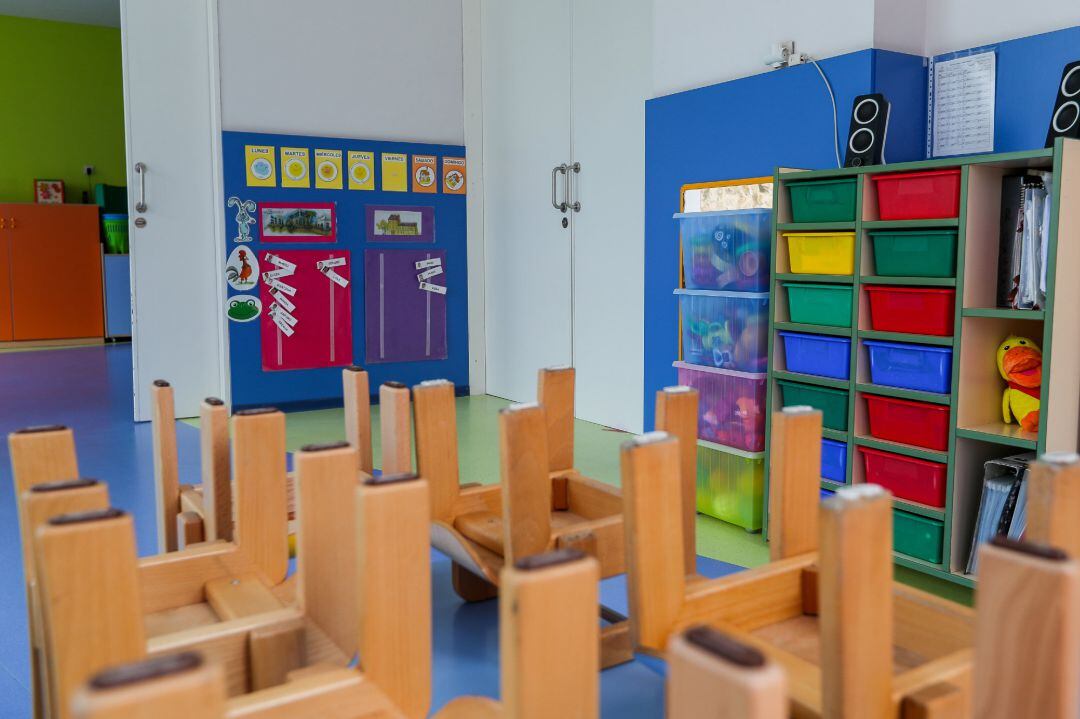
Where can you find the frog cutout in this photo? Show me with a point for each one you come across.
(243, 308)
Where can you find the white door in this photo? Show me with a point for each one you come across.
(611, 78)
(173, 138)
(526, 96)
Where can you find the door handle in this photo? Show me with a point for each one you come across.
(13, 223)
(561, 207)
(575, 205)
(140, 170)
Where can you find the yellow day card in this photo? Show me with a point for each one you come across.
(259, 161)
(328, 169)
(294, 167)
(395, 172)
(361, 170)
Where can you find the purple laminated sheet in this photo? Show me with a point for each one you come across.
(403, 323)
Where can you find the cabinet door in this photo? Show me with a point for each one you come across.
(612, 78)
(526, 59)
(5, 284)
(56, 271)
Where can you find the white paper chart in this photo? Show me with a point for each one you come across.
(962, 92)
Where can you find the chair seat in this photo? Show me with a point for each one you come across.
(484, 528)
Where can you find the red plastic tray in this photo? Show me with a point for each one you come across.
(916, 310)
(901, 420)
(915, 480)
(918, 195)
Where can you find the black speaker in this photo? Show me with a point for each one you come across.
(866, 134)
(1065, 121)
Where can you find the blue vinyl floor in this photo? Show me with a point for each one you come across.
(90, 390)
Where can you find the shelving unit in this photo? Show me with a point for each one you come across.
(976, 430)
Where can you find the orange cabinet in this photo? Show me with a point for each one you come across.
(53, 274)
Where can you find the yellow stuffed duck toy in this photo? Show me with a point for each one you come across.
(1019, 360)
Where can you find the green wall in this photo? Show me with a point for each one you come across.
(62, 98)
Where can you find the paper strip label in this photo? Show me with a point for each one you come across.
(281, 325)
(437, 289)
(274, 274)
(277, 312)
(429, 273)
(335, 277)
(433, 262)
(280, 261)
(284, 301)
(335, 262)
(281, 286)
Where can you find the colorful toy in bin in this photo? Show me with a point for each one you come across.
(731, 407)
(728, 330)
(1019, 360)
(726, 250)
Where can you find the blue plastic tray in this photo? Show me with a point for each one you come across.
(834, 460)
(819, 355)
(910, 366)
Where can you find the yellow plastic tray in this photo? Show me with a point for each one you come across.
(821, 253)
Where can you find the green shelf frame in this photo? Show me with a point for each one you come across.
(834, 279)
(903, 337)
(815, 227)
(948, 222)
(1046, 159)
(916, 281)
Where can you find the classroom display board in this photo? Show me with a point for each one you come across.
(340, 252)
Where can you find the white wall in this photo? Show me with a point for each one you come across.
(959, 24)
(370, 69)
(703, 42)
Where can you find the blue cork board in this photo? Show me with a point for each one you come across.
(251, 385)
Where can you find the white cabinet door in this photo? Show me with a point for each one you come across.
(611, 78)
(173, 133)
(526, 96)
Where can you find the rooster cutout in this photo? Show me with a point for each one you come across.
(241, 270)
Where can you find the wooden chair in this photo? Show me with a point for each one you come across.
(712, 675)
(548, 639)
(230, 597)
(846, 639)
(1027, 643)
(392, 617)
(189, 514)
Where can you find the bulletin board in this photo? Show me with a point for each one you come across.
(340, 252)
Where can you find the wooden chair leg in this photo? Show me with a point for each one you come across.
(470, 587)
(794, 482)
(677, 414)
(90, 598)
(435, 420)
(856, 603)
(395, 428)
(549, 641)
(1054, 502)
(166, 466)
(177, 686)
(216, 472)
(262, 523)
(394, 580)
(526, 486)
(1027, 640)
(555, 393)
(713, 675)
(357, 400)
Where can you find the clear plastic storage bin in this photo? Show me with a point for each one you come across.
(731, 405)
(726, 250)
(728, 330)
(730, 485)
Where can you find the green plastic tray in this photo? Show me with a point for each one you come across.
(831, 402)
(823, 200)
(914, 253)
(917, 536)
(812, 304)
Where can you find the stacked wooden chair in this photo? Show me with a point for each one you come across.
(93, 603)
(189, 514)
(542, 503)
(850, 638)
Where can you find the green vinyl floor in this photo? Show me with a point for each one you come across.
(596, 454)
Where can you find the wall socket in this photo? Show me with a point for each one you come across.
(88, 170)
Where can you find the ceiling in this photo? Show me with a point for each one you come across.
(86, 12)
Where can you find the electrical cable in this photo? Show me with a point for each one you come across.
(832, 98)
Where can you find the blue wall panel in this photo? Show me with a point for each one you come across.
(322, 387)
(747, 128)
